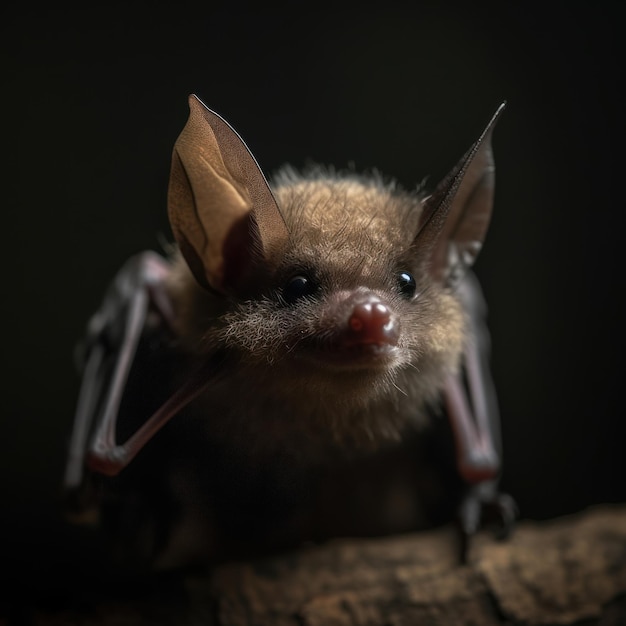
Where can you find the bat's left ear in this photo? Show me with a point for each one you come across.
(457, 214)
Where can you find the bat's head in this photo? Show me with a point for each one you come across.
(334, 291)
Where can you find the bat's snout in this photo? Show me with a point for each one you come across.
(371, 322)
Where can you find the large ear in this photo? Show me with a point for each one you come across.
(221, 209)
(457, 214)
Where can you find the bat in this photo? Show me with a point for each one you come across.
(276, 376)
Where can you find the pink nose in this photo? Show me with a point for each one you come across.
(371, 322)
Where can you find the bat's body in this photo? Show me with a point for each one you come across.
(306, 335)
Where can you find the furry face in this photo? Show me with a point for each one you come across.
(349, 338)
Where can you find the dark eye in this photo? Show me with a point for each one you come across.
(298, 287)
(406, 285)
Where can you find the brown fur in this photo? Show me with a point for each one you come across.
(354, 233)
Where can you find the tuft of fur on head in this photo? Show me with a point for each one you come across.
(349, 232)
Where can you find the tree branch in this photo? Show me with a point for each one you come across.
(555, 572)
(563, 571)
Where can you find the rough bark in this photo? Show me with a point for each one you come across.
(570, 570)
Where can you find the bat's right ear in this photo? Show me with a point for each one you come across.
(221, 209)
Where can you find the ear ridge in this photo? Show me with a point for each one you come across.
(217, 191)
(457, 214)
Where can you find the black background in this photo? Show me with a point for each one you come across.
(93, 101)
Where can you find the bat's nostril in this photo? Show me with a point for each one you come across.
(369, 313)
(373, 322)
